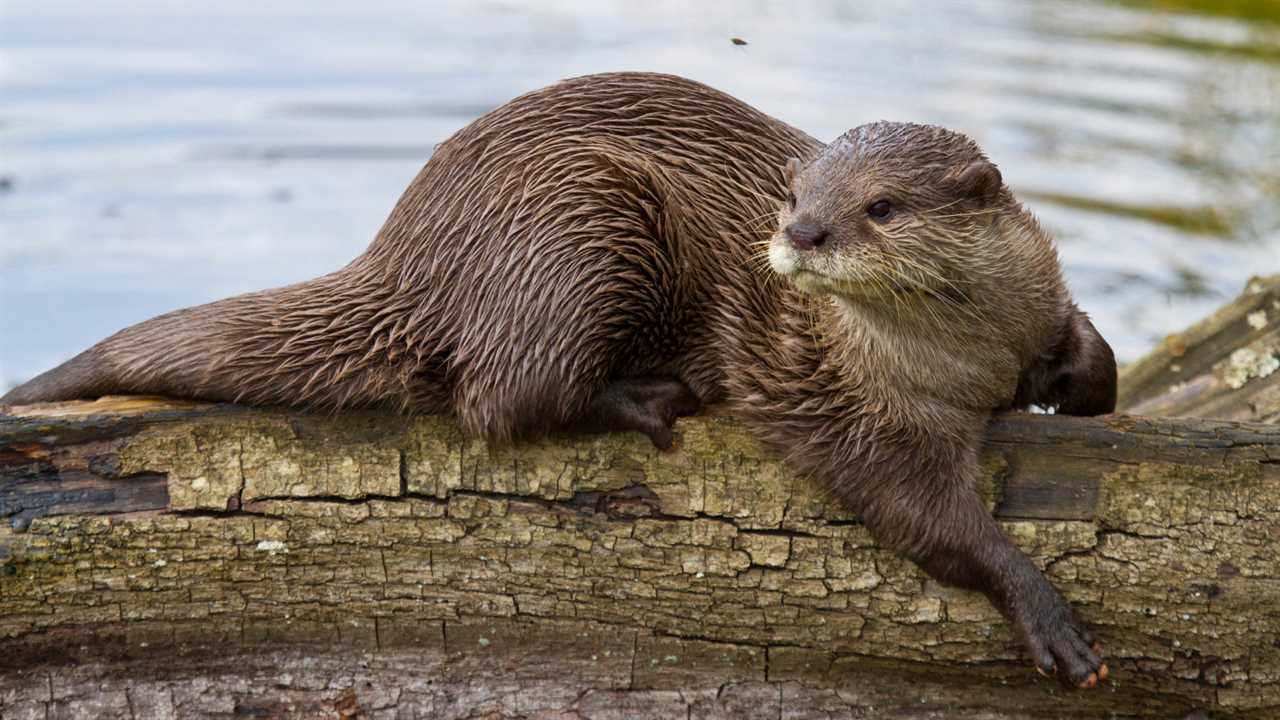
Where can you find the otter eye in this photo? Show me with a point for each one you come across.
(880, 209)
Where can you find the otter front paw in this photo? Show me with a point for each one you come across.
(1060, 644)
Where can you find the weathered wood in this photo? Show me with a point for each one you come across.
(1224, 367)
(586, 671)
(185, 554)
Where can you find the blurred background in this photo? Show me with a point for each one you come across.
(158, 154)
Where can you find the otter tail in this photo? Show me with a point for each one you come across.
(165, 355)
(83, 376)
(308, 344)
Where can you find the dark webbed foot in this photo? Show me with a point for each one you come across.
(647, 405)
(1060, 643)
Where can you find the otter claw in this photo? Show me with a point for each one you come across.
(1060, 645)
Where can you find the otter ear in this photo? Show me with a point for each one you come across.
(980, 180)
(1076, 377)
(790, 170)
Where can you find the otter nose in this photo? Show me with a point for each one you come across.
(806, 236)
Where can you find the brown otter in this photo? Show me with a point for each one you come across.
(584, 257)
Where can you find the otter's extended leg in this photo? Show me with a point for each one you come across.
(957, 541)
(1059, 641)
(648, 404)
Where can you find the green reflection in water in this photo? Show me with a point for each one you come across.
(1262, 17)
(1200, 220)
(1251, 10)
(1263, 50)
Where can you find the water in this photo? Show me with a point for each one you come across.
(157, 154)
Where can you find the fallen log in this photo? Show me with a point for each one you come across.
(1226, 366)
(176, 559)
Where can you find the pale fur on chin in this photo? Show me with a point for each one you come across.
(782, 257)
(786, 262)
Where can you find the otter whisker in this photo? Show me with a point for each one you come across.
(941, 207)
(760, 264)
(899, 270)
(756, 224)
(973, 213)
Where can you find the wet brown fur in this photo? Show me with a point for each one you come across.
(616, 226)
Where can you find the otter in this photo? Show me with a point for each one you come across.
(614, 251)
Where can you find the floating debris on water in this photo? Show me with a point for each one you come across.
(737, 41)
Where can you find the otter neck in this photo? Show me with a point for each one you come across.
(907, 349)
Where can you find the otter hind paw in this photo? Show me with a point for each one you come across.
(646, 405)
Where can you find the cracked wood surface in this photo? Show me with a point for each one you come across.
(185, 557)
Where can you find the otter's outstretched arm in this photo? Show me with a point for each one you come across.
(955, 540)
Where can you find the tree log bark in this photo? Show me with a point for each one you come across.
(188, 560)
(1226, 366)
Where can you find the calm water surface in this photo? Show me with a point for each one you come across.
(155, 155)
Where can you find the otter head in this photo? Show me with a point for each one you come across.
(897, 211)
(912, 227)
